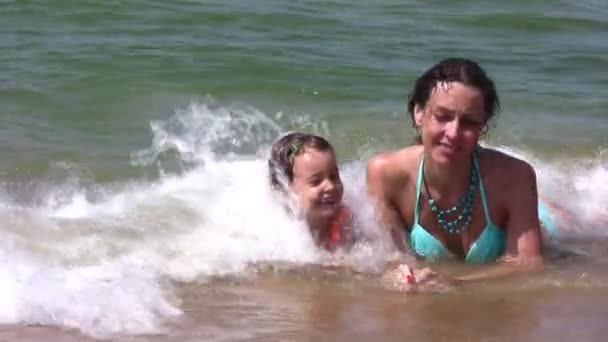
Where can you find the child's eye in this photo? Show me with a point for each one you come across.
(335, 177)
(314, 181)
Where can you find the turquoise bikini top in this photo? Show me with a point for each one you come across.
(488, 247)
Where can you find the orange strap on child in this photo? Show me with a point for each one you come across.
(335, 233)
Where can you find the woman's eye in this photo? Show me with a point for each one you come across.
(440, 117)
(472, 123)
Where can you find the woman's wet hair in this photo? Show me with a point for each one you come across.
(284, 151)
(459, 70)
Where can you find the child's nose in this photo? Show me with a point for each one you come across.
(329, 185)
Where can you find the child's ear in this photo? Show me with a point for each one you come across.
(418, 114)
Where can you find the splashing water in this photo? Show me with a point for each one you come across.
(102, 258)
(580, 186)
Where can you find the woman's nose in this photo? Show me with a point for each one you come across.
(452, 128)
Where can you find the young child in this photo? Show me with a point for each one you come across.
(304, 170)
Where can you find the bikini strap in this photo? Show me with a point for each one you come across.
(482, 191)
(418, 187)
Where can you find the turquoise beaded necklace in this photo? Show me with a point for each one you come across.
(462, 212)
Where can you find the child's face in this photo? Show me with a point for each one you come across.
(317, 184)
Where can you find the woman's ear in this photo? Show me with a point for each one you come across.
(418, 114)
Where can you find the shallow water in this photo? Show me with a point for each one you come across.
(305, 309)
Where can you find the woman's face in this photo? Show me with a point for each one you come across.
(451, 122)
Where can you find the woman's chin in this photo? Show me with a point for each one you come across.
(444, 159)
(443, 156)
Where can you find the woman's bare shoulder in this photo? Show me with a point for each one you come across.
(394, 164)
(504, 169)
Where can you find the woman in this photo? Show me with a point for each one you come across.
(448, 196)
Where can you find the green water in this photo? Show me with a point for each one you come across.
(80, 82)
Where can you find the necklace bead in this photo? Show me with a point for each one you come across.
(463, 209)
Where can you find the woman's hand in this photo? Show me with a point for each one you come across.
(400, 278)
(403, 278)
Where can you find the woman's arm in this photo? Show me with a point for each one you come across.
(523, 249)
(379, 187)
(524, 242)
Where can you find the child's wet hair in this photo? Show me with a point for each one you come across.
(284, 151)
